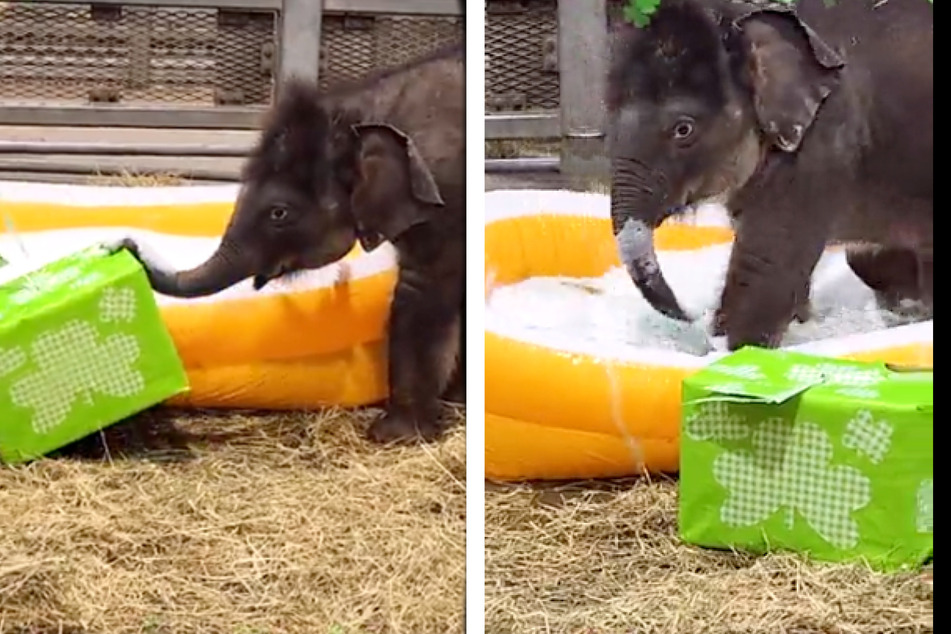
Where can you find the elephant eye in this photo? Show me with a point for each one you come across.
(683, 129)
(279, 213)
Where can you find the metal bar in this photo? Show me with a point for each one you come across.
(241, 5)
(213, 118)
(389, 7)
(300, 39)
(396, 7)
(92, 170)
(511, 125)
(122, 149)
(534, 164)
(582, 59)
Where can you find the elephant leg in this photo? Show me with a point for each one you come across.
(423, 351)
(456, 393)
(768, 279)
(899, 276)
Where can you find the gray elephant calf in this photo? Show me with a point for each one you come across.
(382, 159)
(814, 125)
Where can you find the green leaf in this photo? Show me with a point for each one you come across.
(638, 12)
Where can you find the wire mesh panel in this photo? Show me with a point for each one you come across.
(80, 53)
(352, 46)
(521, 55)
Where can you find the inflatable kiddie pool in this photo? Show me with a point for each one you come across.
(565, 395)
(311, 341)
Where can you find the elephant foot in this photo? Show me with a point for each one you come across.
(456, 393)
(803, 312)
(760, 339)
(394, 428)
(719, 323)
(905, 308)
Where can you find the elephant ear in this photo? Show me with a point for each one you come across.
(394, 187)
(792, 71)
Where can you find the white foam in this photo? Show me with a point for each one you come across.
(607, 316)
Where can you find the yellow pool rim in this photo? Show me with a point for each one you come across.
(315, 344)
(551, 413)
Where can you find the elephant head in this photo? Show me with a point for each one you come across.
(294, 211)
(697, 100)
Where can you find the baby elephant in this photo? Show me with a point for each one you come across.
(381, 159)
(395, 195)
(813, 123)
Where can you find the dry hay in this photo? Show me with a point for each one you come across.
(587, 559)
(128, 178)
(236, 523)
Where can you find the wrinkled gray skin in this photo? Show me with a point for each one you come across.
(383, 159)
(814, 127)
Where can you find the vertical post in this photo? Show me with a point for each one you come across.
(300, 38)
(582, 62)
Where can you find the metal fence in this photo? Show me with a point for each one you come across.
(545, 64)
(214, 63)
(196, 63)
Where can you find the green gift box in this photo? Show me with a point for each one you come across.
(788, 451)
(82, 346)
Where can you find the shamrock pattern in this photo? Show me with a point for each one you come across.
(789, 470)
(74, 362)
(716, 420)
(11, 360)
(731, 387)
(836, 374)
(867, 436)
(40, 282)
(858, 392)
(747, 371)
(117, 305)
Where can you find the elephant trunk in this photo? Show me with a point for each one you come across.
(226, 267)
(638, 206)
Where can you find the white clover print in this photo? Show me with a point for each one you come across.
(10, 360)
(117, 305)
(93, 277)
(730, 387)
(789, 470)
(835, 374)
(925, 504)
(748, 371)
(867, 436)
(40, 282)
(72, 363)
(858, 392)
(717, 421)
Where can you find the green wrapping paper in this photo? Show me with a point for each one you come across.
(82, 346)
(831, 458)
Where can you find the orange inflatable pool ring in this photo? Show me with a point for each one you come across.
(555, 412)
(311, 341)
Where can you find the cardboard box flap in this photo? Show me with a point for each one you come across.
(755, 392)
(753, 375)
(758, 375)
